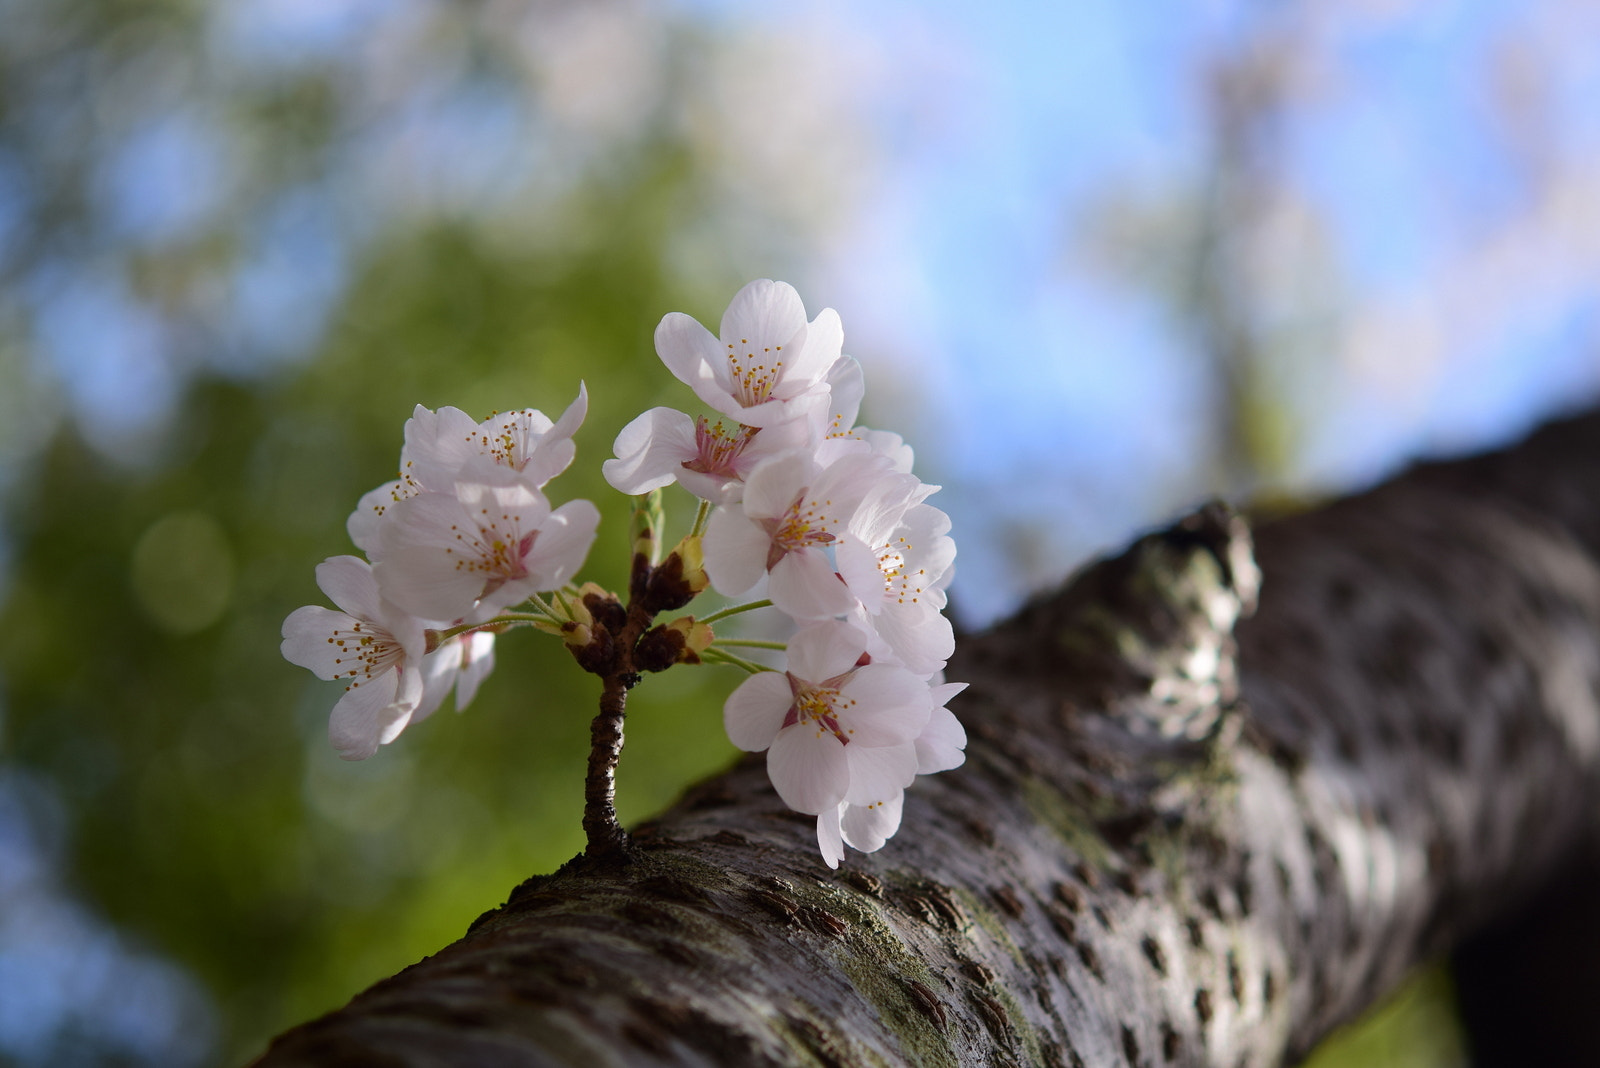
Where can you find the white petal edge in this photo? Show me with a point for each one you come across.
(880, 772)
(891, 705)
(868, 827)
(825, 650)
(735, 551)
(830, 840)
(808, 769)
(349, 583)
(753, 714)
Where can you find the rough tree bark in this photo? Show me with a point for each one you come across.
(1185, 834)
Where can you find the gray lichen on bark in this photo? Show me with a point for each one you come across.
(1184, 834)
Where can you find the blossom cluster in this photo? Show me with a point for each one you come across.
(465, 531)
(813, 515)
(826, 518)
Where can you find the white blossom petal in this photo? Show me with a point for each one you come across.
(439, 671)
(564, 539)
(920, 638)
(879, 772)
(686, 348)
(754, 712)
(824, 339)
(418, 569)
(846, 386)
(859, 568)
(767, 313)
(824, 651)
(306, 643)
(940, 745)
(571, 419)
(830, 841)
(735, 552)
(775, 412)
(349, 583)
(774, 485)
(651, 451)
(363, 523)
(805, 586)
(867, 826)
(808, 769)
(365, 715)
(890, 705)
(477, 661)
(437, 445)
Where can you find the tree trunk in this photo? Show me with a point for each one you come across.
(1184, 834)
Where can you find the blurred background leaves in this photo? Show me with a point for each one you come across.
(1098, 262)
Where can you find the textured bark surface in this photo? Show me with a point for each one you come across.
(1184, 834)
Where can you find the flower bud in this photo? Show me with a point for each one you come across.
(697, 637)
(679, 642)
(576, 635)
(679, 578)
(691, 550)
(603, 607)
(598, 655)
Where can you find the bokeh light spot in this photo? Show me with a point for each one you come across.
(182, 571)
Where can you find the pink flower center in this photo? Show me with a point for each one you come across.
(495, 549)
(716, 449)
(899, 584)
(753, 373)
(819, 709)
(366, 651)
(803, 526)
(509, 442)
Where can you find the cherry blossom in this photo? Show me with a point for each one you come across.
(824, 515)
(710, 459)
(870, 814)
(833, 727)
(835, 423)
(865, 826)
(441, 446)
(492, 542)
(371, 643)
(900, 582)
(462, 662)
(793, 513)
(941, 745)
(768, 366)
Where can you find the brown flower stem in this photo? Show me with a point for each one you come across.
(605, 835)
(600, 825)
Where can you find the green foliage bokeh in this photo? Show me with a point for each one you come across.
(209, 812)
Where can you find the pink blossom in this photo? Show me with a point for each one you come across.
(370, 643)
(833, 728)
(489, 544)
(709, 458)
(768, 366)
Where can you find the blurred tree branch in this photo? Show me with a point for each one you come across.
(1176, 840)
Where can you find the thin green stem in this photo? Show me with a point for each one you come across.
(700, 519)
(718, 656)
(750, 643)
(733, 610)
(510, 619)
(537, 604)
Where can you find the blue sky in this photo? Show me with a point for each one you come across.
(1040, 372)
(1062, 402)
